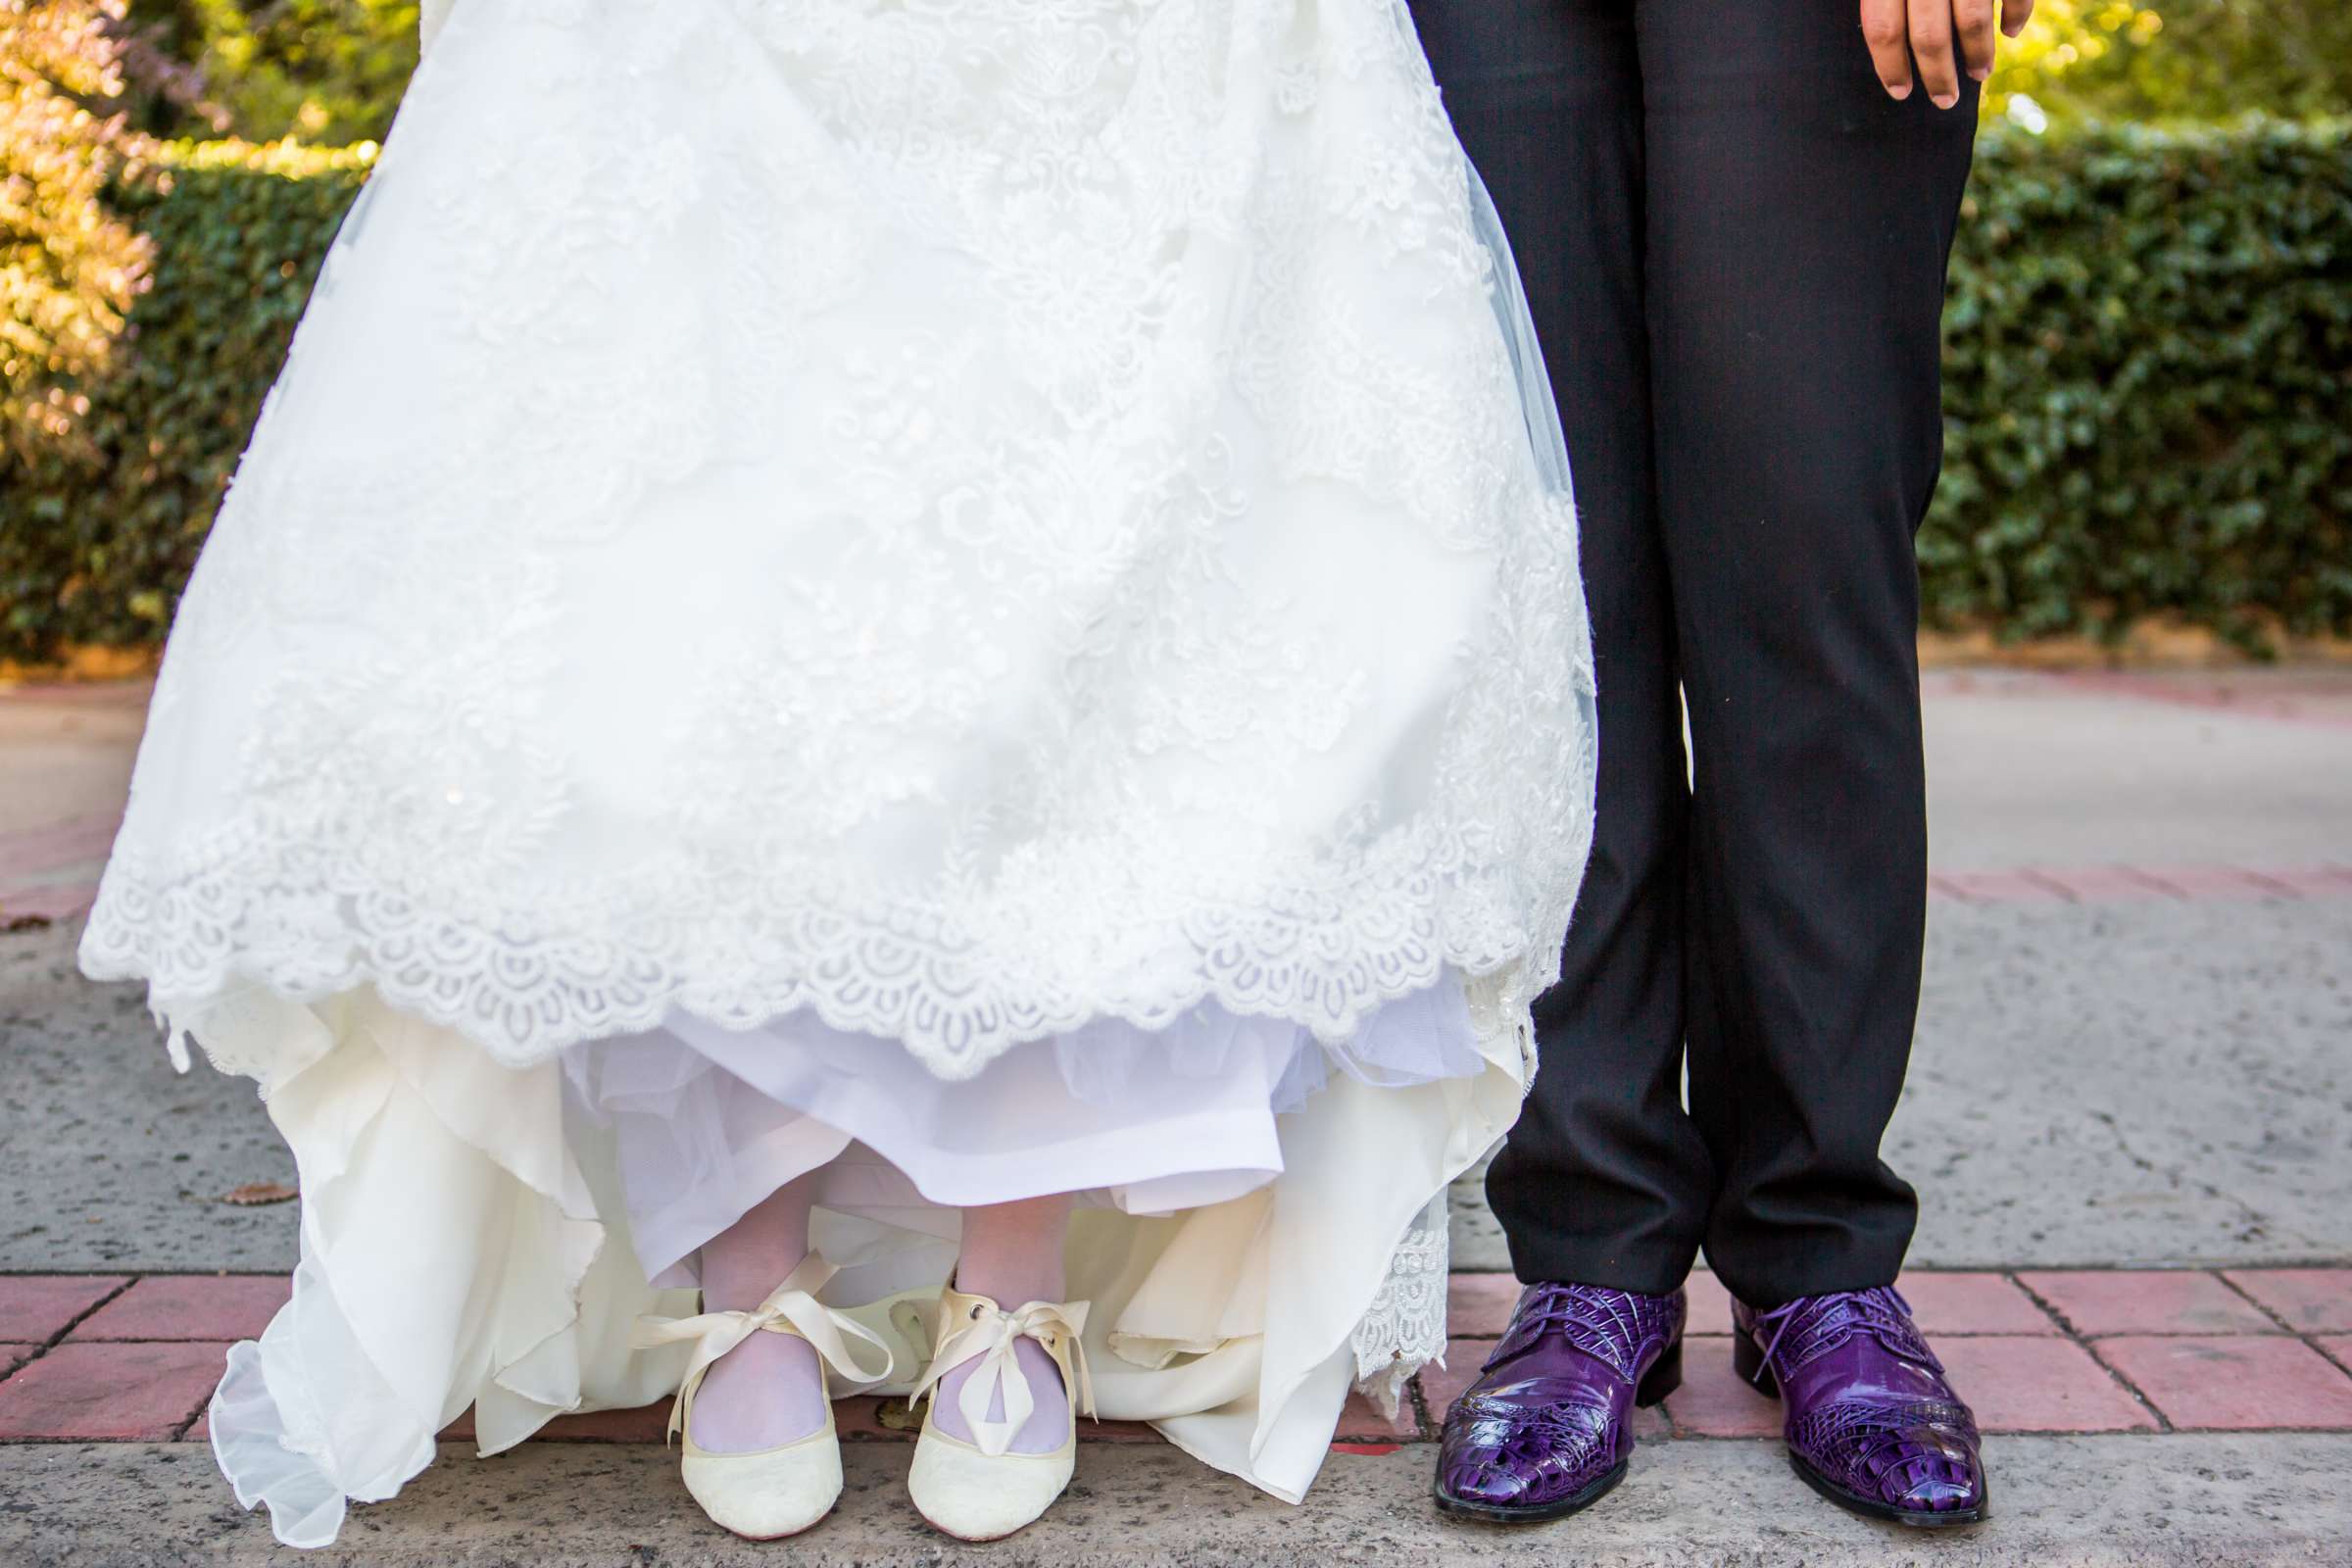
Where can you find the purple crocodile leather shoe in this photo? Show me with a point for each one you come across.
(1872, 1424)
(1545, 1429)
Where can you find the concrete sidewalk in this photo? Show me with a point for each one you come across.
(2133, 1417)
(2085, 1502)
(2130, 1113)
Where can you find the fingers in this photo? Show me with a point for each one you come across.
(1973, 22)
(2015, 14)
(1946, 37)
(1887, 29)
(1931, 47)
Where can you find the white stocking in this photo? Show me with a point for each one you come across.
(768, 1391)
(1012, 1255)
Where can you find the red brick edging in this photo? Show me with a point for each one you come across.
(2140, 884)
(121, 1357)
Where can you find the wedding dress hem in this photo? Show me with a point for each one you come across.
(466, 1242)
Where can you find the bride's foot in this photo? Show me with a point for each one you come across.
(1007, 1377)
(1007, 1466)
(761, 1456)
(766, 1393)
(769, 1390)
(1013, 1257)
(1048, 1424)
(768, 1481)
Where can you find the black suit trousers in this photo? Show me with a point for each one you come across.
(1735, 246)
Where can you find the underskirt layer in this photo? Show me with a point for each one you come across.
(709, 1121)
(1263, 1229)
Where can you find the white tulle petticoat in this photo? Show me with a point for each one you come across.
(468, 1229)
(706, 1122)
(974, 596)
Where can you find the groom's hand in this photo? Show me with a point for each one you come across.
(1946, 37)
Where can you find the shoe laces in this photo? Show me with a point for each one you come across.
(1609, 1324)
(981, 1330)
(1821, 1323)
(1560, 1305)
(791, 1308)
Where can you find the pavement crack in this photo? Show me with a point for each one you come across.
(2253, 1223)
(2124, 1147)
(86, 1314)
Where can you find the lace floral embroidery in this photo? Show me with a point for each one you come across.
(965, 515)
(1404, 1328)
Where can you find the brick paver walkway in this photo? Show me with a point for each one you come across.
(115, 1357)
(2142, 882)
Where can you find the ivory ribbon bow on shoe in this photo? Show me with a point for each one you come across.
(972, 1325)
(792, 1307)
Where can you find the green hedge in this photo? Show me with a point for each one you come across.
(2150, 384)
(98, 534)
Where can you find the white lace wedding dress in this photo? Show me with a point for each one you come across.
(980, 595)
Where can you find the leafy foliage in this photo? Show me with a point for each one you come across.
(69, 267)
(2148, 388)
(326, 70)
(97, 535)
(2170, 61)
(332, 71)
(2148, 384)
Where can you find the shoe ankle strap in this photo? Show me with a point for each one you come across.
(971, 1325)
(792, 1308)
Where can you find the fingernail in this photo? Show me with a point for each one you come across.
(1945, 100)
(1899, 94)
(1979, 73)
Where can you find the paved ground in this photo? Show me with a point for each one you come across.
(2146, 1418)
(2133, 1040)
(2133, 1059)
(2159, 771)
(2087, 1503)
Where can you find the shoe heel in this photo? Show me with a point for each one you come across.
(1747, 1360)
(1663, 1378)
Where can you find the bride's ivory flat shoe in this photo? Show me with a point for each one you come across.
(776, 1491)
(983, 1490)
